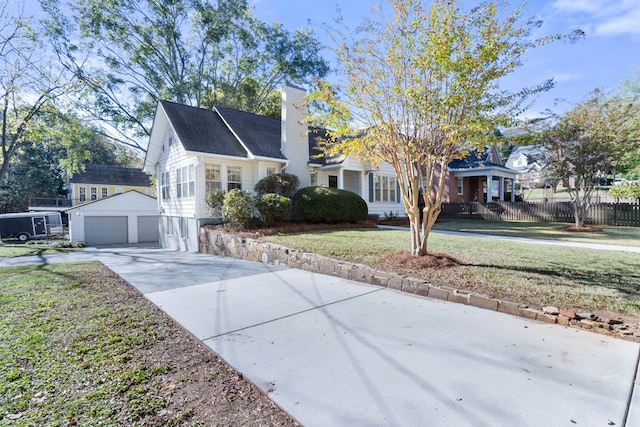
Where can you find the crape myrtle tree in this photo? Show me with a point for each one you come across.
(422, 87)
(202, 53)
(28, 81)
(594, 137)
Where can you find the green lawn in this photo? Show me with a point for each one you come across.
(80, 347)
(8, 250)
(66, 352)
(624, 236)
(521, 272)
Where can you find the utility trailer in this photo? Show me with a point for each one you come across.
(30, 225)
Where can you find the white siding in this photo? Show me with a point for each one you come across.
(130, 205)
(295, 142)
(380, 208)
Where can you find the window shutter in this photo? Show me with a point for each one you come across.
(370, 186)
(398, 198)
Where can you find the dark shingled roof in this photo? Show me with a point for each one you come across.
(202, 130)
(316, 156)
(260, 134)
(475, 160)
(111, 175)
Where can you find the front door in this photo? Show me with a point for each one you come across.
(39, 225)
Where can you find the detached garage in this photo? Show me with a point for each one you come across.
(129, 217)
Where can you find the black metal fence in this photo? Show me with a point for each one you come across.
(623, 214)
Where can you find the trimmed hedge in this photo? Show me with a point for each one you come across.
(328, 205)
(284, 184)
(236, 208)
(273, 208)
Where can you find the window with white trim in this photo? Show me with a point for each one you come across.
(164, 185)
(271, 171)
(168, 225)
(384, 188)
(213, 177)
(105, 192)
(184, 228)
(460, 186)
(185, 181)
(314, 179)
(119, 190)
(82, 194)
(94, 193)
(234, 177)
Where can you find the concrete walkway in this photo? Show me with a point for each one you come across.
(335, 352)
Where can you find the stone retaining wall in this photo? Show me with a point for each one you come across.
(216, 242)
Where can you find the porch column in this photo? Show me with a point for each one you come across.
(489, 188)
(501, 189)
(513, 190)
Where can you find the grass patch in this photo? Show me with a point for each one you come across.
(79, 346)
(9, 250)
(535, 274)
(623, 236)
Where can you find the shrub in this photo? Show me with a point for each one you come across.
(237, 207)
(284, 184)
(626, 191)
(274, 208)
(214, 201)
(328, 205)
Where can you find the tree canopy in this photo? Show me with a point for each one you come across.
(29, 80)
(591, 140)
(54, 146)
(131, 53)
(421, 88)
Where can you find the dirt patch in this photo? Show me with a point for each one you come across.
(398, 222)
(404, 259)
(256, 231)
(199, 388)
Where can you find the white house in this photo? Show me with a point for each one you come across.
(528, 161)
(192, 150)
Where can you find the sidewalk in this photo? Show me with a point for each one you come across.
(335, 352)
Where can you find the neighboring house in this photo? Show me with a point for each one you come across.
(480, 177)
(528, 161)
(129, 217)
(192, 150)
(100, 181)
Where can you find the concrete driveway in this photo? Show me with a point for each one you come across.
(335, 352)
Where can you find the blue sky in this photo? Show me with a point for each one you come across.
(609, 52)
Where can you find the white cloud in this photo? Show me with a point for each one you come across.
(586, 6)
(606, 17)
(565, 77)
(624, 23)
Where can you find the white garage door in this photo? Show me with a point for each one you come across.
(105, 230)
(148, 229)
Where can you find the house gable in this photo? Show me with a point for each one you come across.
(260, 135)
(202, 131)
(117, 202)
